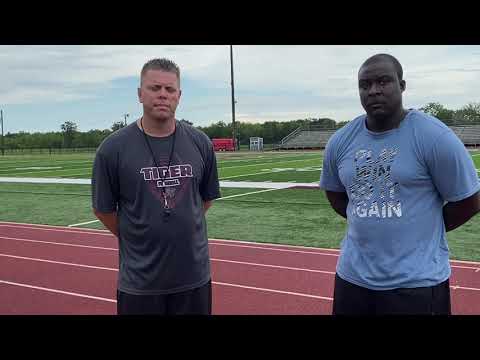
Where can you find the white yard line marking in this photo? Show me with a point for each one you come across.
(260, 173)
(228, 184)
(54, 171)
(83, 223)
(243, 175)
(57, 291)
(45, 180)
(244, 194)
(267, 163)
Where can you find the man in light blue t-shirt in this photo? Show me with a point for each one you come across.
(402, 179)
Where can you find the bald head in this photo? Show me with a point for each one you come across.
(385, 57)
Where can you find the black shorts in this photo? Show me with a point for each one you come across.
(196, 301)
(351, 299)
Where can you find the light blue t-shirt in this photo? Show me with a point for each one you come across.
(397, 182)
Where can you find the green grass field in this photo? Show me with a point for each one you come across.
(288, 216)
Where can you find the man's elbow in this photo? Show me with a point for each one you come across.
(207, 205)
(99, 215)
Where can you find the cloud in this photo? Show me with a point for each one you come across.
(271, 82)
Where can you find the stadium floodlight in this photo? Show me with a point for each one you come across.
(125, 116)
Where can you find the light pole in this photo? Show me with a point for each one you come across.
(125, 116)
(1, 120)
(234, 132)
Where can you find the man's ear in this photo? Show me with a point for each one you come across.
(403, 85)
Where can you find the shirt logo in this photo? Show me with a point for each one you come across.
(167, 176)
(373, 191)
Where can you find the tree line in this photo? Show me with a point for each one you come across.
(271, 131)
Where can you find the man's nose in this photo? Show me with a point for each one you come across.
(374, 89)
(162, 93)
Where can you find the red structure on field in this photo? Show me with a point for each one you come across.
(223, 144)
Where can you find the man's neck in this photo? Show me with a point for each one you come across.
(380, 125)
(157, 128)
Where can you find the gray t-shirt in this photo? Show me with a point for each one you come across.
(158, 256)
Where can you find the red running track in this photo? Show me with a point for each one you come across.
(59, 270)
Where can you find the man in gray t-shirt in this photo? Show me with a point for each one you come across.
(152, 183)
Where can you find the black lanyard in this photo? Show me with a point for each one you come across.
(166, 207)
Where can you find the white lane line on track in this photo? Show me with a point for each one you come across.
(246, 246)
(63, 229)
(107, 233)
(274, 291)
(114, 301)
(58, 243)
(281, 250)
(455, 287)
(58, 262)
(274, 266)
(212, 259)
(84, 223)
(56, 291)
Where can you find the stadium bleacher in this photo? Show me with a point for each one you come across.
(317, 138)
(469, 134)
(306, 138)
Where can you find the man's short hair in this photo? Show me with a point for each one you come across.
(388, 57)
(163, 65)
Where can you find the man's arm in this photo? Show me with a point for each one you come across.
(458, 213)
(110, 220)
(339, 202)
(206, 205)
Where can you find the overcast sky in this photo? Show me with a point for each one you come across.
(41, 87)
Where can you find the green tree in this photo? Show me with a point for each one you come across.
(69, 129)
(117, 125)
(440, 112)
(468, 114)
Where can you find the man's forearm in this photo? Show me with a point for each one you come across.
(341, 208)
(110, 220)
(206, 206)
(338, 201)
(458, 213)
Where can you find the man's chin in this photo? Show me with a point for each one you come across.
(378, 114)
(162, 116)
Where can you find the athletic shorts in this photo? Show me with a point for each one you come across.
(196, 301)
(351, 299)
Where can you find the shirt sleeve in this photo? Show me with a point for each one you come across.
(452, 168)
(105, 184)
(210, 186)
(329, 179)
